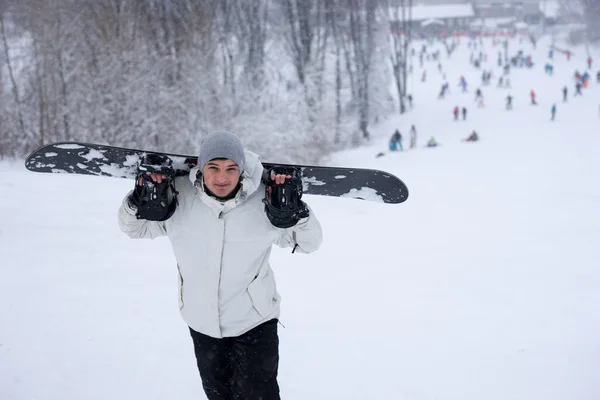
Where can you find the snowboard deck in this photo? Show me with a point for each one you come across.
(118, 162)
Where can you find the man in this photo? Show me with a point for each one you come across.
(473, 137)
(509, 102)
(413, 137)
(396, 141)
(222, 221)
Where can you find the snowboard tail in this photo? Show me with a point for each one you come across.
(118, 162)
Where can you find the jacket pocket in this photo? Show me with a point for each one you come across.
(263, 293)
(180, 290)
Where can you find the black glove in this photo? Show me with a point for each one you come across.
(283, 204)
(154, 201)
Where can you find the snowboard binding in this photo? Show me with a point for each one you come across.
(283, 202)
(155, 201)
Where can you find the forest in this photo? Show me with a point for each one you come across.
(296, 79)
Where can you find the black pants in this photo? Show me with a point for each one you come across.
(242, 367)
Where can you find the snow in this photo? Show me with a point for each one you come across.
(432, 21)
(440, 11)
(364, 193)
(484, 284)
(550, 9)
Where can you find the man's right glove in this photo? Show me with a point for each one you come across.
(154, 201)
(283, 204)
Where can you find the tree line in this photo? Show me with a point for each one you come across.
(295, 78)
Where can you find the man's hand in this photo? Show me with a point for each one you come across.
(280, 178)
(157, 178)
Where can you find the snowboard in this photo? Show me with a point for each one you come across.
(118, 162)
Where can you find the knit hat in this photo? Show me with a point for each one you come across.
(221, 144)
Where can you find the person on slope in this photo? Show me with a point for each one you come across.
(432, 142)
(509, 102)
(578, 87)
(222, 221)
(473, 137)
(413, 137)
(396, 141)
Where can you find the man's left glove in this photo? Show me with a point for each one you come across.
(283, 204)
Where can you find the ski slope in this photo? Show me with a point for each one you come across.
(484, 285)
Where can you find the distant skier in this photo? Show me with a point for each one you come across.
(463, 83)
(585, 79)
(553, 111)
(396, 141)
(478, 94)
(443, 90)
(578, 86)
(413, 137)
(565, 93)
(509, 102)
(464, 113)
(473, 137)
(410, 99)
(456, 112)
(532, 95)
(589, 61)
(598, 76)
(431, 142)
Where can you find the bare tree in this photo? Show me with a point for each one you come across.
(11, 74)
(332, 16)
(397, 15)
(361, 26)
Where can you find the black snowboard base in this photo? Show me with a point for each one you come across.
(95, 159)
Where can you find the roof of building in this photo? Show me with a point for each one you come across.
(422, 12)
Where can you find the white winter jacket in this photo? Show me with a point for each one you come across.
(226, 285)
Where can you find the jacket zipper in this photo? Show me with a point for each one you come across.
(220, 272)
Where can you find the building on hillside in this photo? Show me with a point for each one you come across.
(446, 17)
(522, 10)
(436, 19)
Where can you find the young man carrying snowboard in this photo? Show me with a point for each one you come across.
(222, 221)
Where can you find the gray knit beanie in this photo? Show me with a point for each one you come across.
(221, 144)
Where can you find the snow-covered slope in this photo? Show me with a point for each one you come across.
(483, 285)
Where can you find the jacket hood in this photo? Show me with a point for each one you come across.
(251, 177)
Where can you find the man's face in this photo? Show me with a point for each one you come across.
(221, 176)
